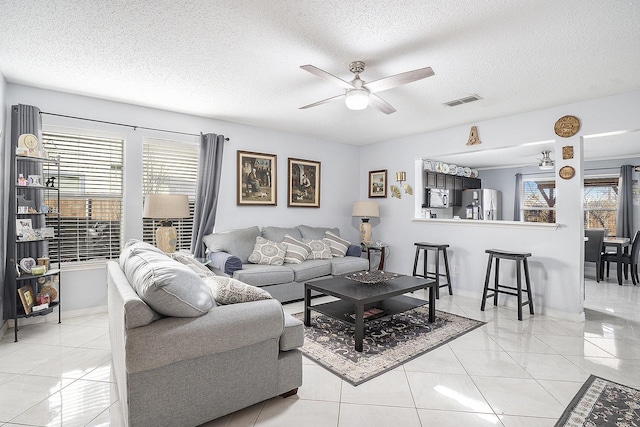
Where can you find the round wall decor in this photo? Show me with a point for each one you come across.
(567, 126)
(566, 172)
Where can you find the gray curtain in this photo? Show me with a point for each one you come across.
(517, 211)
(624, 212)
(24, 119)
(207, 190)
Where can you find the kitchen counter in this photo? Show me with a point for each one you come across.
(489, 223)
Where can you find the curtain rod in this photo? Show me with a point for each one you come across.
(122, 124)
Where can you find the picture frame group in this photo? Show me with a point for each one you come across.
(256, 181)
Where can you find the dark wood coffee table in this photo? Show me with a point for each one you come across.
(355, 298)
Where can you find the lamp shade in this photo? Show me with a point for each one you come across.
(365, 209)
(166, 206)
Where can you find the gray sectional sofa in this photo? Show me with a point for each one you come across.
(230, 250)
(191, 358)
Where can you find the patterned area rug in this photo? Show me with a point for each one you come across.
(388, 341)
(602, 402)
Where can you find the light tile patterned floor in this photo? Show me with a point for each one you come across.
(506, 373)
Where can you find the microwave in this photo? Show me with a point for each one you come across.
(436, 198)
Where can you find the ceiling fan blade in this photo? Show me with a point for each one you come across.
(327, 76)
(324, 101)
(398, 79)
(380, 104)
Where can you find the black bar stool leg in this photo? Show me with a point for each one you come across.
(496, 282)
(415, 262)
(446, 267)
(437, 274)
(486, 283)
(519, 288)
(526, 276)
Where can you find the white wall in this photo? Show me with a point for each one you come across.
(557, 269)
(87, 287)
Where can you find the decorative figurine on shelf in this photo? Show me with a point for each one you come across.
(22, 181)
(51, 181)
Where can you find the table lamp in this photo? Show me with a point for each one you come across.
(165, 207)
(365, 210)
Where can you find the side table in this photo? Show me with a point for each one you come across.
(375, 248)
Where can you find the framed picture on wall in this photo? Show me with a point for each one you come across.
(303, 183)
(257, 179)
(378, 183)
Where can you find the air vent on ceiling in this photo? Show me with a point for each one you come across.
(464, 100)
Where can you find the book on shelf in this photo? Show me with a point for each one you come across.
(370, 312)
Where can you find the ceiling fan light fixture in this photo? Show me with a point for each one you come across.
(357, 99)
(546, 163)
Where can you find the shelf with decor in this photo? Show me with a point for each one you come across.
(32, 273)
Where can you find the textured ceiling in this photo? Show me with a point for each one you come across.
(239, 60)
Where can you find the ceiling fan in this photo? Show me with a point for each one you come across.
(359, 94)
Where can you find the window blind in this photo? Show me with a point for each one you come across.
(170, 167)
(90, 196)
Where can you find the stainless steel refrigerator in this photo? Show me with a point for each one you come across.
(487, 200)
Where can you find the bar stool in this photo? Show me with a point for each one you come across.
(521, 261)
(439, 249)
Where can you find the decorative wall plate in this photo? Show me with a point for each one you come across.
(566, 172)
(567, 126)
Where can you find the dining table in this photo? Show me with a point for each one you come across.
(621, 244)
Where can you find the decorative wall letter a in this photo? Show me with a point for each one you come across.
(473, 136)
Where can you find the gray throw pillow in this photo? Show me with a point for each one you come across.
(296, 250)
(266, 252)
(338, 245)
(167, 286)
(236, 242)
(316, 233)
(226, 290)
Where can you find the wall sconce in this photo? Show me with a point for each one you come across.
(401, 177)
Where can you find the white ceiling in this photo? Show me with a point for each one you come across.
(238, 60)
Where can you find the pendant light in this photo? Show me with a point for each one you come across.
(546, 163)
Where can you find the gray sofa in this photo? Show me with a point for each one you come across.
(284, 282)
(185, 371)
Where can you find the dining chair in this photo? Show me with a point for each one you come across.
(629, 260)
(593, 247)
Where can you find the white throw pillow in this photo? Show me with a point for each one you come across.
(266, 252)
(296, 250)
(338, 245)
(320, 249)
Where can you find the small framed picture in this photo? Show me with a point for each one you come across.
(303, 183)
(27, 298)
(256, 179)
(23, 225)
(35, 180)
(378, 183)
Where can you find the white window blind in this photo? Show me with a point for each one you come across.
(90, 196)
(170, 167)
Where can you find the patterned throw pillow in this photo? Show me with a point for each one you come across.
(338, 245)
(320, 249)
(296, 250)
(226, 290)
(266, 252)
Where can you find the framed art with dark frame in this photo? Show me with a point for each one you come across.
(26, 297)
(378, 183)
(303, 183)
(256, 180)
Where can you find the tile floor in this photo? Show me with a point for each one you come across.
(506, 373)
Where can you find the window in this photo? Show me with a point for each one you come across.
(600, 201)
(170, 167)
(90, 196)
(539, 200)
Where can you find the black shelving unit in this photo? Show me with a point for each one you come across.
(43, 203)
